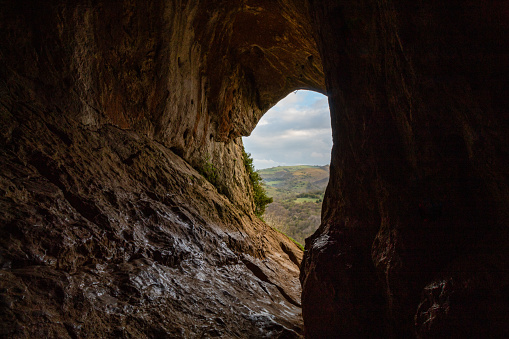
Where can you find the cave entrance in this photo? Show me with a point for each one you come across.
(291, 148)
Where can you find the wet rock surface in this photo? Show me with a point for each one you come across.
(107, 109)
(109, 234)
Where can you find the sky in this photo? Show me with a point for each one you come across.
(296, 131)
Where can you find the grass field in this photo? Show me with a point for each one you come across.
(298, 194)
(283, 181)
(301, 200)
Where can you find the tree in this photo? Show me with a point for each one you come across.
(259, 194)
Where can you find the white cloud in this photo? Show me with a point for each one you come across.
(263, 122)
(303, 134)
(264, 163)
(294, 132)
(319, 155)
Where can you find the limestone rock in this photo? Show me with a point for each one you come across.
(108, 233)
(109, 108)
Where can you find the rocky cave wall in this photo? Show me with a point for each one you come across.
(108, 109)
(414, 236)
(194, 76)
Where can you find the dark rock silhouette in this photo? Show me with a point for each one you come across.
(413, 240)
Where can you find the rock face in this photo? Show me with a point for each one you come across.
(108, 110)
(414, 234)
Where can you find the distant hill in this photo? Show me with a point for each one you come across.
(298, 194)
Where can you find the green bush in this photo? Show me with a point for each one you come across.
(260, 195)
(209, 171)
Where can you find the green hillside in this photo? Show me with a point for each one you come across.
(298, 194)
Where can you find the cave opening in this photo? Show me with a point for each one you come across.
(291, 148)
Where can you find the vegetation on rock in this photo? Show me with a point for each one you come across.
(261, 199)
(209, 172)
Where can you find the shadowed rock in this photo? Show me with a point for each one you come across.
(109, 111)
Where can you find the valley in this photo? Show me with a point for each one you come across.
(298, 195)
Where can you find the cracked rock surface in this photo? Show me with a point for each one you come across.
(109, 110)
(109, 234)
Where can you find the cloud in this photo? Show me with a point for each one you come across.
(264, 163)
(320, 155)
(294, 132)
(263, 122)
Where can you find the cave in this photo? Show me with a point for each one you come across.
(126, 210)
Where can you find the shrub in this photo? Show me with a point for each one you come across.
(260, 196)
(209, 171)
